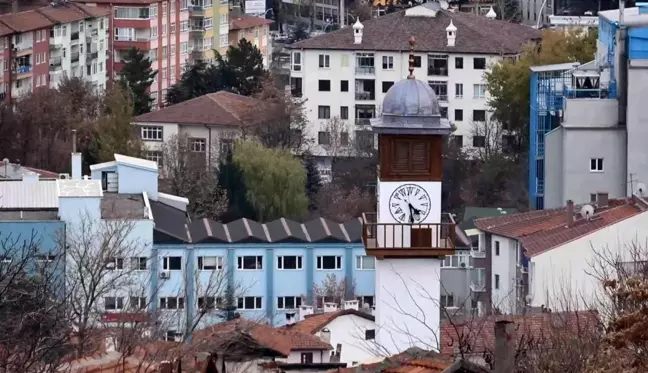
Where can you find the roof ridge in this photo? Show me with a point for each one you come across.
(212, 97)
(496, 40)
(9, 27)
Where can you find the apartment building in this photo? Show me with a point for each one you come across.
(256, 30)
(346, 73)
(38, 47)
(172, 33)
(587, 121)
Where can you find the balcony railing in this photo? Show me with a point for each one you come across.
(438, 71)
(22, 69)
(74, 36)
(75, 57)
(91, 34)
(363, 121)
(365, 96)
(55, 63)
(92, 56)
(478, 286)
(366, 70)
(477, 254)
(414, 240)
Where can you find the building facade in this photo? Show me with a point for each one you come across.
(595, 105)
(38, 47)
(254, 29)
(345, 74)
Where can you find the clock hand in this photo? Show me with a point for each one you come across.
(411, 209)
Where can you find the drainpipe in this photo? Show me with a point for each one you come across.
(209, 148)
(622, 83)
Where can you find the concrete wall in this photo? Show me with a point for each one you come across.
(504, 266)
(554, 168)
(636, 120)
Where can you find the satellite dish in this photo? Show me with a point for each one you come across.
(444, 4)
(587, 211)
(641, 187)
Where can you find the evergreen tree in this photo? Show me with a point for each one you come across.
(313, 182)
(197, 80)
(137, 76)
(243, 68)
(230, 180)
(227, 309)
(299, 32)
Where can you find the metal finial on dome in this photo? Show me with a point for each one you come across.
(411, 41)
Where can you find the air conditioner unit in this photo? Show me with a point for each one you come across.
(64, 176)
(164, 275)
(462, 264)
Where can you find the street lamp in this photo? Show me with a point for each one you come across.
(268, 10)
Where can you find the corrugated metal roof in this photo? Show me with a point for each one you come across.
(26, 195)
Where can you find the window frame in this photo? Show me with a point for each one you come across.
(320, 263)
(475, 63)
(118, 303)
(319, 85)
(324, 61)
(482, 140)
(180, 303)
(360, 260)
(299, 263)
(597, 165)
(281, 302)
(166, 263)
(256, 300)
(200, 263)
(145, 131)
(240, 263)
(388, 61)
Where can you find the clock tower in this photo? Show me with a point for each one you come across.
(408, 235)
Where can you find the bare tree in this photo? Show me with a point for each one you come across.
(337, 204)
(338, 142)
(333, 290)
(188, 171)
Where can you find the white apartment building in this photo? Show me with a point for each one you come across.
(38, 47)
(346, 73)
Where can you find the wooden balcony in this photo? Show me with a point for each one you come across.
(395, 240)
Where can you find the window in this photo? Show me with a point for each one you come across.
(440, 88)
(172, 263)
(224, 41)
(139, 263)
(133, 13)
(288, 303)
(115, 263)
(172, 336)
(456, 261)
(155, 156)
(344, 138)
(417, 61)
(388, 62)
(497, 247)
(479, 115)
(365, 262)
(458, 115)
(370, 334)
(210, 263)
(307, 358)
(329, 262)
(596, 165)
(324, 61)
(479, 141)
(447, 301)
(386, 86)
(323, 138)
(458, 62)
(344, 86)
(113, 303)
(479, 63)
(479, 90)
(365, 300)
(171, 303)
(592, 197)
(296, 61)
(249, 303)
(250, 262)
(46, 258)
(457, 140)
(438, 64)
(208, 303)
(324, 112)
(151, 133)
(198, 145)
(497, 282)
(324, 85)
(289, 262)
(344, 112)
(137, 303)
(458, 90)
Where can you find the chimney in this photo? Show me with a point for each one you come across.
(305, 311)
(76, 159)
(601, 199)
(504, 347)
(570, 213)
(357, 31)
(451, 33)
(14, 6)
(330, 307)
(325, 335)
(291, 318)
(491, 13)
(166, 367)
(350, 305)
(30, 177)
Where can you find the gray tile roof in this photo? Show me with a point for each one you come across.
(122, 206)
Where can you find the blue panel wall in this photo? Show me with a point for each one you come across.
(638, 43)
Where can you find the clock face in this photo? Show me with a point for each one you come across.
(409, 203)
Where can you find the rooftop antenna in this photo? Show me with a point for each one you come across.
(412, 41)
(74, 141)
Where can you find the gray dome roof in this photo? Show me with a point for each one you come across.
(411, 97)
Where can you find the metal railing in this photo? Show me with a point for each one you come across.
(438, 71)
(75, 57)
(55, 63)
(365, 96)
(369, 70)
(415, 237)
(363, 121)
(22, 69)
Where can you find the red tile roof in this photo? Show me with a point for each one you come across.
(216, 109)
(475, 34)
(5, 30)
(395, 361)
(420, 366)
(93, 10)
(479, 333)
(246, 22)
(26, 21)
(314, 323)
(542, 230)
(281, 340)
(66, 13)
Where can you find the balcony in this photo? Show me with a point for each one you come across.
(438, 71)
(75, 57)
(19, 71)
(365, 96)
(433, 240)
(365, 70)
(90, 34)
(363, 121)
(91, 56)
(196, 11)
(55, 63)
(479, 254)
